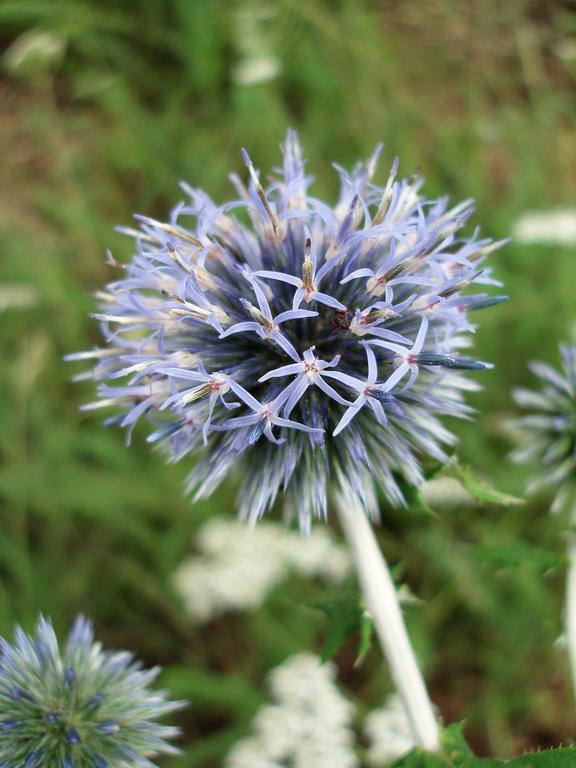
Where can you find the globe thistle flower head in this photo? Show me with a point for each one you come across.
(549, 428)
(77, 706)
(304, 343)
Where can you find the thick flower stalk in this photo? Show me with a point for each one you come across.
(302, 345)
(381, 599)
(77, 706)
(550, 445)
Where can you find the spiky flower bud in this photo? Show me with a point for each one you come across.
(550, 430)
(77, 706)
(306, 343)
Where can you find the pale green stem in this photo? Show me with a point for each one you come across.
(381, 600)
(570, 609)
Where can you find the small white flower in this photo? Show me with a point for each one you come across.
(257, 64)
(444, 492)
(388, 733)
(33, 52)
(320, 557)
(257, 69)
(566, 49)
(554, 227)
(17, 296)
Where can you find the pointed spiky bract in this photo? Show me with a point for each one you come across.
(77, 706)
(550, 430)
(300, 344)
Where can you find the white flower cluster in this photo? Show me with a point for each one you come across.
(388, 732)
(308, 726)
(238, 566)
(553, 227)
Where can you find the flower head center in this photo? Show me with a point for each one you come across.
(311, 368)
(219, 383)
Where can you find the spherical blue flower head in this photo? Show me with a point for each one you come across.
(77, 706)
(300, 344)
(550, 430)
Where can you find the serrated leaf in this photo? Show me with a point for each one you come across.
(457, 754)
(481, 490)
(344, 616)
(365, 643)
(420, 759)
(413, 497)
(433, 470)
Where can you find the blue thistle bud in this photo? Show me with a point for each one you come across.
(45, 725)
(17, 693)
(72, 736)
(94, 702)
(478, 302)
(447, 361)
(313, 346)
(110, 726)
(32, 760)
(70, 676)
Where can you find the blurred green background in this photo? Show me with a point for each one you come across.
(104, 107)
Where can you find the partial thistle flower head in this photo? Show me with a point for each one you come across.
(549, 430)
(77, 706)
(294, 343)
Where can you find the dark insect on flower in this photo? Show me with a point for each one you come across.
(550, 430)
(295, 321)
(78, 706)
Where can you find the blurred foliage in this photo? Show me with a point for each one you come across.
(101, 116)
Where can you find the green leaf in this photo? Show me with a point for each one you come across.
(344, 616)
(413, 497)
(365, 643)
(457, 754)
(481, 490)
(552, 758)
(514, 553)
